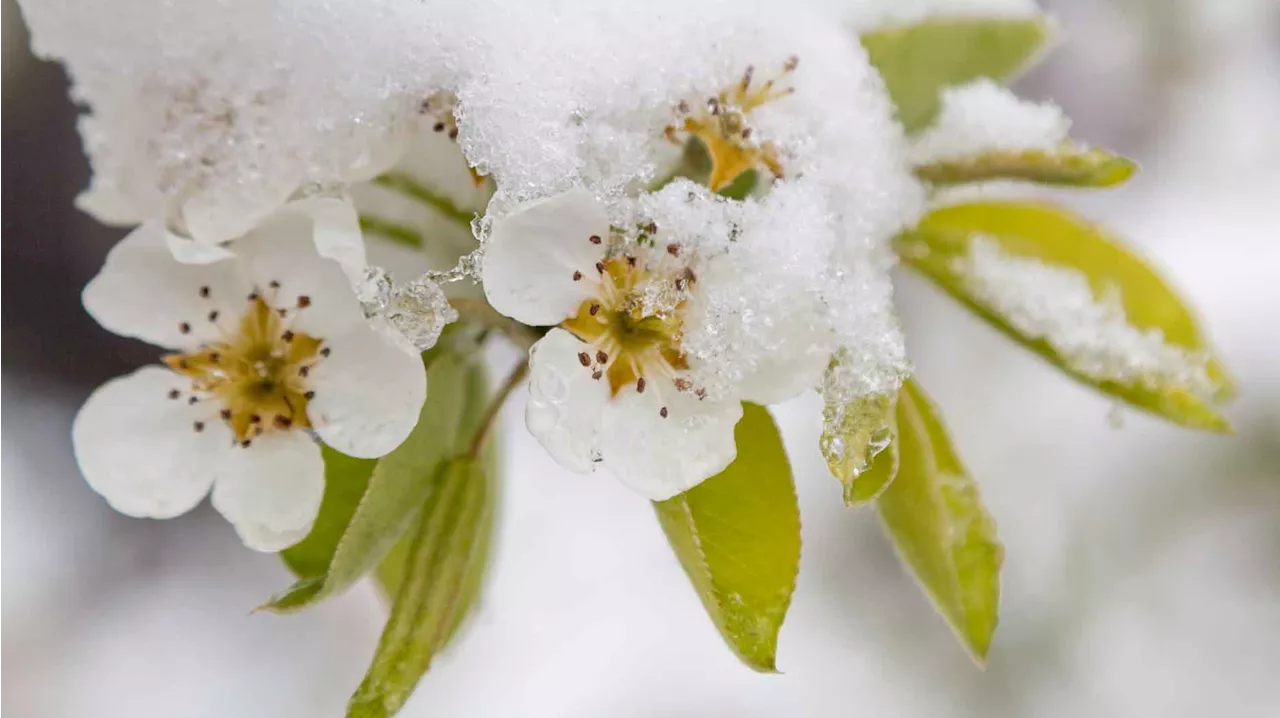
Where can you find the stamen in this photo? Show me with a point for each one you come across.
(673, 250)
(191, 401)
(310, 395)
(326, 352)
(683, 384)
(594, 310)
(245, 444)
(303, 371)
(600, 267)
(253, 296)
(597, 374)
(287, 335)
(663, 413)
(602, 357)
(185, 328)
(198, 426)
(273, 284)
(254, 418)
(595, 239)
(174, 393)
(631, 261)
(640, 385)
(204, 292)
(791, 63)
(577, 276)
(213, 315)
(226, 414)
(584, 359)
(304, 301)
(282, 422)
(453, 133)
(438, 127)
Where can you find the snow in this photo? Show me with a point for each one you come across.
(981, 117)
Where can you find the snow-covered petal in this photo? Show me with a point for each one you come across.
(658, 456)
(211, 218)
(565, 403)
(369, 392)
(140, 449)
(271, 490)
(531, 256)
(143, 292)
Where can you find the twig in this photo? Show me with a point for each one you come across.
(495, 405)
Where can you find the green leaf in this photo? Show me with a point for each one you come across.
(854, 430)
(737, 535)
(390, 573)
(1071, 165)
(939, 247)
(917, 61)
(934, 515)
(396, 488)
(439, 564)
(345, 480)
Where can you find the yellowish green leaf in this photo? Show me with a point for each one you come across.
(354, 539)
(1070, 165)
(935, 517)
(737, 535)
(439, 566)
(917, 61)
(1035, 234)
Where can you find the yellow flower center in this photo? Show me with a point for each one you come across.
(257, 371)
(629, 340)
(722, 127)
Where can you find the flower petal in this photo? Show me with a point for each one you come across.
(271, 490)
(660, 457)
(531, 256)
(140, 449)
(283, 251)
(213, 217)
(143, 292)
(335, 231)
(565, 403)
(780, 376)
(369, 392)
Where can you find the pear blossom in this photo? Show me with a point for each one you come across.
(612, 383)
(268, 349)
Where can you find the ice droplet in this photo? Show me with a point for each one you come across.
(420, 310)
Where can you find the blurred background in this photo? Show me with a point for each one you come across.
(1143, 561)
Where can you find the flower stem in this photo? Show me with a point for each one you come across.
(480, 313)
(407, 185)
(495, 405)
(399, 233)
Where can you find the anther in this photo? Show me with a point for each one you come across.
(192, 400)
(254, 418)
(453, 133)
(198, 426)
(746, 133)
(287, 335)
(253, 296)
(226, 414)
(204, 292)
(213, 316)
(282, 422)
(683, 384)
(214, 357)
(303, 371)
(304, 301)
(274, 284)
(309, 395)
(683, 107)
(282, 311)
(595, 239)
(673, 250)
(577, 276)
(663, 412)
(174, 393)
(600, 267)
(631, 261)
(597, 374)
(640, 385)
(791, 63)
(326, 352)
(245, 444)
(584, 359)
(185, 328)
(438, 127)
(594, 309)
(601, 357)
(746, 78)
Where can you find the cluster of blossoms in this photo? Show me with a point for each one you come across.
(681, 210)
(667, 304)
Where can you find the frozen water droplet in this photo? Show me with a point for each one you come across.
(420, 310)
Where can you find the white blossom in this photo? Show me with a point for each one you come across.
(269, 346)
